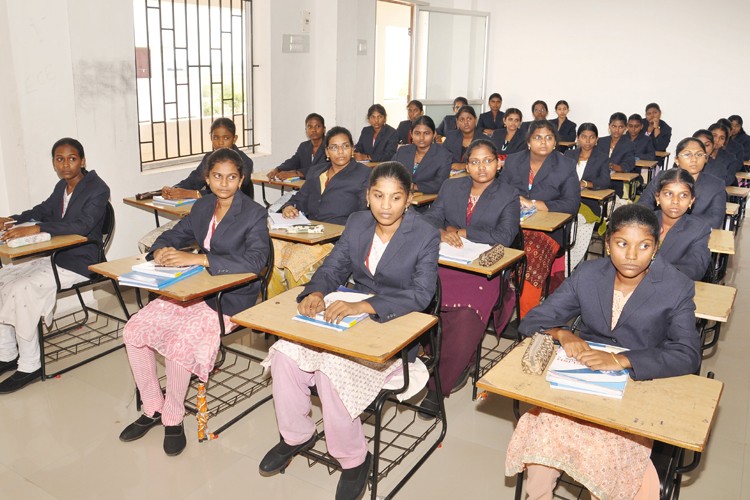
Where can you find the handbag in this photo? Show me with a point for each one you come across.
(538, 353)
(491, 256)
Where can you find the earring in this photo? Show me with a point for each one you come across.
(406, 209)
(608, 252)
(327, 158)
(653, 257)
(368, 204)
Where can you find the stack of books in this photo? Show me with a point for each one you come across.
(154, 277)
(277, 221)
(344, 294)
(568, 374)
(174, 203)
(466, 254)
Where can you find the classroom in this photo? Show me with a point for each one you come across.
(70, 72)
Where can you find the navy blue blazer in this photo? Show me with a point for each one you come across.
(84, 216)
(345, 193)
(303, 158)
(406, 277)
(448, 124)
(686, 246)
(566, 131)
(661, 143)
(710, 198)
(556, 182)
(434, 168)
(385, 144)
(240, 244)
(643, 146)
(495, 217)
(486, 121)
(623, 154)
(516, 144)
(597, 167)
(403, 130)
(722, 167)
(196, 181)
(737, 150)
(743, 140)
(454, 142)
(657, 323)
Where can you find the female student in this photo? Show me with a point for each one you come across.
(619, 150)
(232, 233)
(739, 135)
(458, 141)
(308, 153)
(414, 110)
(377, 142)
(566, 129)
(546, 180)
(643, 145)
(27, 290)
(390, 252)
(632, 299)
(332, 191)
(539, 111)
(721, 153)
(720, 163)
(481, 209)
(592, 165)
(710, 195)
(733, 147)
(656, 128)
(429, 163)
(510, 139)
(491, 120)
(448, 122)
(683, 238)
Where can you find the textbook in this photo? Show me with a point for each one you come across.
(277, 221)
(153, 269)
(344, 294)
(570, 375)
(464, 255)
(153, 282)
(174, 203)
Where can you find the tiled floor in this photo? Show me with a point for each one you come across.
(58, 439)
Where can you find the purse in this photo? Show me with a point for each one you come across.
(491, 256)
(538, 353)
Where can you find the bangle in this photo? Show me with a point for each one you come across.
(205, 262)
(197, 194)
(617, 361)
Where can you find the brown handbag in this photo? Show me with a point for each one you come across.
(538, 353)
(491, 256)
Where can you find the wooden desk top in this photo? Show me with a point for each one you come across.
(371, 164)
(676, 410)
(546, 221)
(746, 163)
(623, 176)
(181, 211)
(262, 178)
(597, 194)
(646, 163)
(743, 175)
(662, 154)
(566, 144)
(714, 302)
(721, 241)
(194, 287)
(458, 174)
(420, 199)
(511, 256)
(732, 208)
(368, 340)
(738, 191)
(46, 246)
(330, 232)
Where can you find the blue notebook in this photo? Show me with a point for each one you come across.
(152, 282)
(342, 293)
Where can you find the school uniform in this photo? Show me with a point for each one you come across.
(303, 158)
(623, 154)
(710, 198)
(596, 170)
(566, 131)
(524, 128)
(344, 194)
(723, 167)
(487, 121)
(196, 181)
(744, 140)
(657, 323)
(446, 125)
(384, 146)
(686, 246)
(432, 171)
(643, 146)
(454, 142)
(660, 143)
(735, 149)
(515, 145)
(404, 132)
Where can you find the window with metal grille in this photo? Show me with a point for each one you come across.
(193, 65)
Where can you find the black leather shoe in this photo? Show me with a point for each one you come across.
(140, 427)
(279, 457)
(353, 482)
(429, 406)
(461, 382)
(19, 380)
(6, 366)
(174, 439)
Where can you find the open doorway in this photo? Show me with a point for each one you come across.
(393, 57)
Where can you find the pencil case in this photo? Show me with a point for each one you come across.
(305, 228)
(538, 354)
(28, 240)
(147, 195)
(491, 256)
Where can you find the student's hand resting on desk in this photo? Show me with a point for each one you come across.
(527, 203)
(172, 193)
(572, 343)
(615, 167)
(18, 232)
(4, 221)
(452, 236)
(290, 212)
(272, 174)
(311, 305)
(340, 309)
(169, 256)
(488, 131)
(601, 360)
(361, 157)
(287, 174)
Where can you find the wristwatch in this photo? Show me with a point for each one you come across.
(533, 202)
